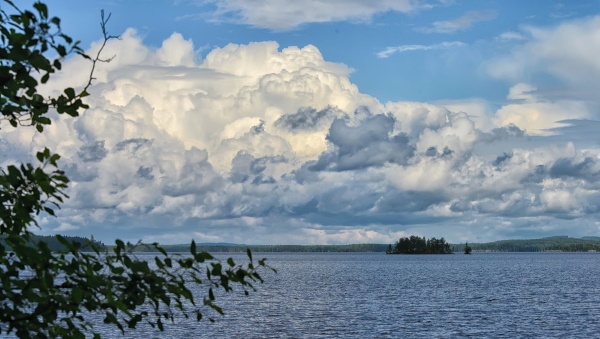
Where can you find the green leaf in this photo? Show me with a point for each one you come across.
(44, 120)
(70, 92)
(45, 294)
(42, 9)
(61, 50)
(76, 295)
(120, 244)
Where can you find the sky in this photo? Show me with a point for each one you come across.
(328, 122)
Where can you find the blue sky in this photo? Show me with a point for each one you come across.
(317, 122)
(455, 72)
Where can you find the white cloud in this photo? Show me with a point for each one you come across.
(478, 110)
(65, 227)
(285, 15)
(536, 115)
(257, 144)
(511, 36)
(568, 51)
(407, 48)
(460, 24)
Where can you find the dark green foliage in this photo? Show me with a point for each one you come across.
(272, 248)
(46, 294)
(25, 39)
(553, 244)
(53, 243)
(50, 292)
(468, 248)
(417, 245)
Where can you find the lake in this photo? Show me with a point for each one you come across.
(373, 295)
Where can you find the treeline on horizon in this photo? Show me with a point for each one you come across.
(85, 244)
(271, 248)
(551, 244)
(559, 244)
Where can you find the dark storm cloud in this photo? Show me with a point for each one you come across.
(258, 129)
(502, 159)
(145, 173)
(537, 176)
(132, 144)
(304, 174)
(352, 198)
(395, 201)
(503, 133)
(433, 152)
(244, 167)
(368, 144)
(583, 133)
(306, 118)
(587, 169)
(93, 152)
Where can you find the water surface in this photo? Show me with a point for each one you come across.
(373, 295)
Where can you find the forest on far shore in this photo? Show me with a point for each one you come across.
(550, 244)
(85, 244)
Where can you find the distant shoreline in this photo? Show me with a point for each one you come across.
(552, 244)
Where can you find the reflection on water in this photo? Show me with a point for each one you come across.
(366, 295)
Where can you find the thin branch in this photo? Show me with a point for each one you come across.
(107, 37)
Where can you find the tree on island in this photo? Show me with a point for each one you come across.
(45, 294)
(468, 248)
(389, 249)
(418, 245)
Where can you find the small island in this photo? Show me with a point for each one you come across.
(418, 245)
(468, 248)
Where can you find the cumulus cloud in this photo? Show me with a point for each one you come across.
(258, 144)
(406, 48)
(307, 118)
(564, 54)
(536, 115)
(370, 143)
(460, 24)
(285, 15)
(66, 227)
(567, 51)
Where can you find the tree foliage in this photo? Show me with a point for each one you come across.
(418, 245)
(54, 244)
(468, 248)
(26, 38)
(552, 244)
(273, 248)
(46, 294)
